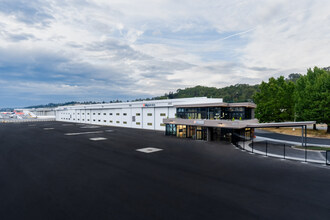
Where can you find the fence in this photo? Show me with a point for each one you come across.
(281, 150)
(26, 120)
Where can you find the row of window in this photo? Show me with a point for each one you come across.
(125, 114)
(110, 121)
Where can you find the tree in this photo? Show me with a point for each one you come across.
(275, 101)
(293, 77)
(312, 97)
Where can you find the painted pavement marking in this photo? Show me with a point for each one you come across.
(87, 132)
(98, 139)
(149, 150)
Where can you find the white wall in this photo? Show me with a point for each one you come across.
(146, 118)
(147, 114)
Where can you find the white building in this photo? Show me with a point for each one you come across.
(145, 114)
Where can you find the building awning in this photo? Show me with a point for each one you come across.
(237, 124)
(281, 124)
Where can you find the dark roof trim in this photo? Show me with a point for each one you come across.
(220, 104)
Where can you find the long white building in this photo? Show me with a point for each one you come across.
(144, 115)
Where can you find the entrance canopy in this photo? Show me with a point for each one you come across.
(237, 124)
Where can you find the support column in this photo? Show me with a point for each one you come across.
(209, 133)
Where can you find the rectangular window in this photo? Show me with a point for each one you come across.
(125, 114)
(125, 122)
(104, 120)
(117, 113)
(87, 119)
(162, 114)
(93, 113)
(149, 124)
(87, 113)
(93, 119)
(110, 121)
(117, 122)
(83, 113)
(161, 124)
(138, 114)
(104, 113)
(99, 120)
(110, 113)
(99, 113)
(149, 114)
(138, 123)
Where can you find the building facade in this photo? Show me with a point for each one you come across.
(211, 121)
(144, 115)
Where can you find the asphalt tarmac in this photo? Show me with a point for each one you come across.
(55, 170)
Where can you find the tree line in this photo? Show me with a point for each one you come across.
(306, 98)
(233, 93)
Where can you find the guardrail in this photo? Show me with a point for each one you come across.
(26, 120)
(281, 150)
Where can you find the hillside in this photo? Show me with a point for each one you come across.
(233, 93)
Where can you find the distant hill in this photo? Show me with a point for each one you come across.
(234, 93)
(54, 105)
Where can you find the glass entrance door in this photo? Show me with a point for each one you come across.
(201, 133)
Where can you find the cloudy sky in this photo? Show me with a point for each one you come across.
(58, 51)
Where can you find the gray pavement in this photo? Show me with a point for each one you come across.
(98, 173)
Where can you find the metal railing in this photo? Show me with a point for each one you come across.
(281, 150)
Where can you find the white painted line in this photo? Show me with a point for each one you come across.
(109, 130)
(90, 126)
(98, 139)
(67, 124)
(88, 132)
(149, 150)
(48, 128)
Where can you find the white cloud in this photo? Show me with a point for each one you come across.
(151, 47)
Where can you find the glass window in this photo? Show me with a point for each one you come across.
(162, 114)
(149, 114)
